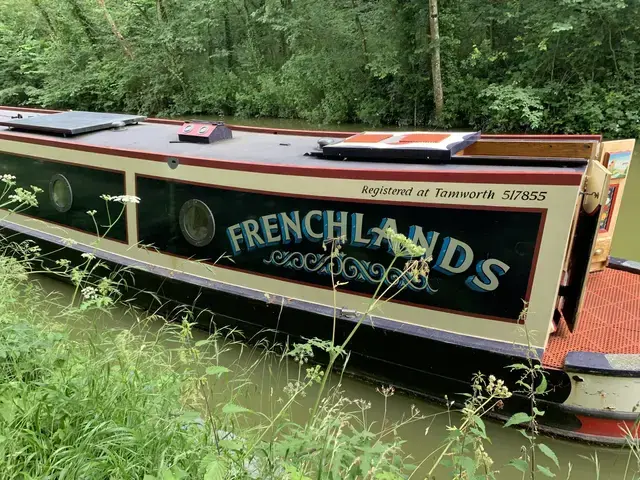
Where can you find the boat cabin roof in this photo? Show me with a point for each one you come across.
(292, 148)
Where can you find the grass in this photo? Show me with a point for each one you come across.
(146, 403)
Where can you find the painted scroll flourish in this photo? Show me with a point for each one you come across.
(349, 268)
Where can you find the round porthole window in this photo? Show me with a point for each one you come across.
(60, 193)
(197, 223)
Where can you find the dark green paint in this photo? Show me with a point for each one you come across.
(87, 185)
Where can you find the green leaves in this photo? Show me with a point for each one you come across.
(518, 366)
(545, 471)
(294, 473)
(233, 409)
(231, 444)
(519, 464)
(518, 419)
(480, 429)
(190, 416)
(561, 27)
(216, 470)
(468, 464)
(542, 387)
(549, 453)
(217, 370)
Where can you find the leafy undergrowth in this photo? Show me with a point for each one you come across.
(126, 405)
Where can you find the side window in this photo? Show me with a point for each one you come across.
(197, 223)
(60, 193)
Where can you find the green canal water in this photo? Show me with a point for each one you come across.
(424, 437)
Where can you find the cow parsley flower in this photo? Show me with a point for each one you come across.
(120, 198)
(126, 199)
(8, 179)
(90, 293)
(401, 246)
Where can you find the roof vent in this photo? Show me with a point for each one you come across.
(198, 131)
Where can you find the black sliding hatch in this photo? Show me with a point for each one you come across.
(71, 123)
(401, 145)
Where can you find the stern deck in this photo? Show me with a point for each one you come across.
(609, 321)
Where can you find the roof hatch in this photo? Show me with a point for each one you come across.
(402, 145)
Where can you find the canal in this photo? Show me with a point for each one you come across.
(425, 436)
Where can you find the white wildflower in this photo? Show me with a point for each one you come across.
(126, 199)
(24, 197)
(8, 179)
(92, 212)
(121, 198)
(89, 293)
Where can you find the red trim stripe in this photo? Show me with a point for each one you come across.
(606, 427)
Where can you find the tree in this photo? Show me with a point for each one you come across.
(434, 29)
(510, 66)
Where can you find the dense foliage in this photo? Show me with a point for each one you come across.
(508, 65)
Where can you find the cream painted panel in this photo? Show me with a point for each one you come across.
(599, 392)
(559, 199)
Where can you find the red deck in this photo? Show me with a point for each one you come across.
(609, 321)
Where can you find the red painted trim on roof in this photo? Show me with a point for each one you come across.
(265, 130)
(34, 110)
(606, 427)
(540, 137)
(497, 176)
(287, 131)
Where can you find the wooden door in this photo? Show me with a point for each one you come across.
(584, 241)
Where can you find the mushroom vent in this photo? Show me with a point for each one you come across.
(204, 132)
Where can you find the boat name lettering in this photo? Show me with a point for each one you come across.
(452, 257)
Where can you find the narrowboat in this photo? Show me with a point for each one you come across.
(236, 219)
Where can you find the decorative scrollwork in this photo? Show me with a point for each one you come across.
(349, 268)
